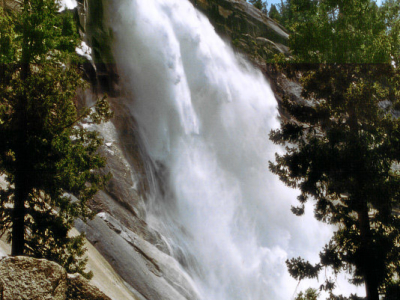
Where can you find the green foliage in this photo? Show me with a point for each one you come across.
(300, 269)
(310, 294)
(390, 12)
(50, 162)
(274, 13)
(342, 145)
(284, 10)
(340, 297)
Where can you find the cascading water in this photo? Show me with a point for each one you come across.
(205, 115)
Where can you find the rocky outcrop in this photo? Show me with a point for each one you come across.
(39, 279)
(248, 29)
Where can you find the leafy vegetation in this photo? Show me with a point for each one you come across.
(343, 146)
(49, 161)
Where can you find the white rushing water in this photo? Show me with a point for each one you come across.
(205, 115)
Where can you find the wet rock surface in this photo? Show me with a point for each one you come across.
(149, 271)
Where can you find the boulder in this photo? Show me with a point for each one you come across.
(29, 278)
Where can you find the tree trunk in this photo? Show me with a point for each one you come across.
(21, 153)
(21, 179)
(366, 251)
(371, 280)
(18, 219)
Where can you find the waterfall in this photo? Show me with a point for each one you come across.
(204, 114)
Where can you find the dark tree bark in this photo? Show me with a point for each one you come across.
(371, 282)
(21, 155)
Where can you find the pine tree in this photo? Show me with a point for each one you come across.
(310, 294)
(260, 4)
(48, 160)
(343, 146)
(274, 13)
